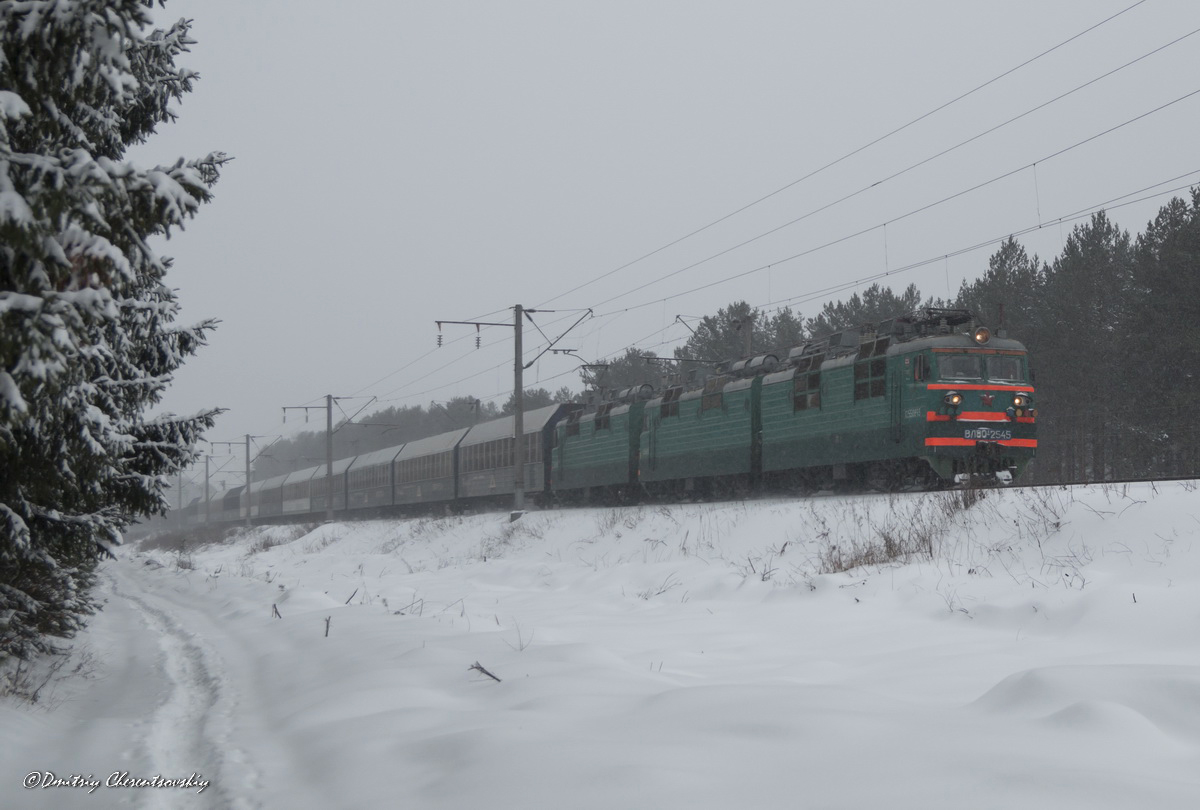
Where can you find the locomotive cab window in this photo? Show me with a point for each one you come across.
(959, 367)
(1005, 368)
(870, 369)
(920, 368)
(806, 390)
(713, 396)
(670, 403)
(603, 421)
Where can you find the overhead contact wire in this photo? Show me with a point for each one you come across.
(844, 157)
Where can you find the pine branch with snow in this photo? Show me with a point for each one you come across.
(88, 339)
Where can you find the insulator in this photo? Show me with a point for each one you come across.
(477, 341)
(439, 340)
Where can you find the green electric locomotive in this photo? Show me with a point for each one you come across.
(919, 401)
(915, 402)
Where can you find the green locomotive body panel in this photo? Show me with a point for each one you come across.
(701, 433)
(835, 429)
(598, 449)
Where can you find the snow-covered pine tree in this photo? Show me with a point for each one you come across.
(88, 341)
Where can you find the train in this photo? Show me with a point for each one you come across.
(919, 401)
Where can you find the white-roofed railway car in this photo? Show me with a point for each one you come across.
(322, 483)
(297, 491)
(266, 497)
(370, 482)
(486, 454)
(424, 470)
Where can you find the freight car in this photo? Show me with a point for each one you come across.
(919, 401)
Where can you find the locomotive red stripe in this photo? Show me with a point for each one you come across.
(952, 441)
(976, 416)
(976, 387)
(968, 416)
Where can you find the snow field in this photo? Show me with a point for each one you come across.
(1040, 648)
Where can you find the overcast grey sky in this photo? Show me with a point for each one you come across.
(400, 162)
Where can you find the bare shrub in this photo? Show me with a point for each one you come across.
(910, 529)
(666, 585)
(834, 558)
(523, 641)
(182, 539)
(279, 538)
(33, 682)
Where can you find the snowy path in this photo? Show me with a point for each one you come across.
(160, 703)
(190, 731)
(686, 657)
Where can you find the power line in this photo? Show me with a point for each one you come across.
(894, 175)
(1075, 215)
(844, 157)
(871, 228)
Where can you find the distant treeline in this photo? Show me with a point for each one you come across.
(1112, 326)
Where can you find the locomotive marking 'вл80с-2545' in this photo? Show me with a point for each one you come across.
(919, 401)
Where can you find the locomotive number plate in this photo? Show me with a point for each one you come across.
(987, 434)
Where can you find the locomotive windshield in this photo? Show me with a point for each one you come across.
(960, 367)
(1000, 368)
(1004, 368)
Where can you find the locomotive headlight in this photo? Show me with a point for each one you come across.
(1020, 401)
(952, 399)
(983, 335)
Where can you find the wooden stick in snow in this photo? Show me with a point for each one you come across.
(479, 668)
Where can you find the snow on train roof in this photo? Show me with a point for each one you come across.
(376, 457)
(502, 428)
(300, 475)
(339, 467)
(434, 444)
(269, 483)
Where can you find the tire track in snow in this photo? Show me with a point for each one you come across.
(190, 731)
